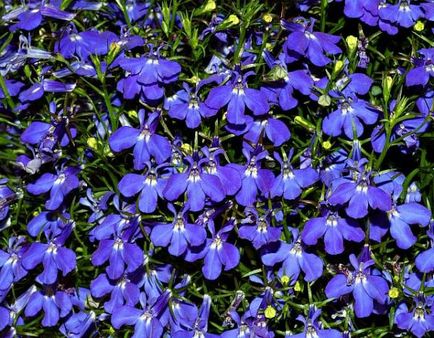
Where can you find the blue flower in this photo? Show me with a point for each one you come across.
(303, 41)
(11, 268)
(313, 327)
(146, 320)
(348, 118)
(236, 95)
(423, 68)
(179, 234)
(187, 105)
(197, 183)
(291, 182)
(365, 287)
(294, 259)
(334, 229)
(145, 140)
(418, 321)
(403, 13)
(59, 185)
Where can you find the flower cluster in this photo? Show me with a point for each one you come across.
(186, 169)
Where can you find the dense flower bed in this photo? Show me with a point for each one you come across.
(216, 169)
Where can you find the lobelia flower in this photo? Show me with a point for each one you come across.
(275, 130)
(229, 177)
(37, 90)
(348, 118)
(313, 327)
(423, 68)
(151, 186)
(187, 105)
(145, 141)
(334, 229)
(79, 325)
(30, 16)
(236, 95)
(10, 314)
(257, 229)
(146, 321)
(7, 196)
(179, 234)
(303, 41)
(55, 303)
(398, 219)
(291, 182)
(53, 256)
(418, 321)
(360, 194)
(254, 179)
(122, 291)
(49, 222)
(403, 13)
(11, 268)
(424, 261)
(98, 207)
(59, 185)
(366, 10)
(218, 254)
(147, 76)
(365, 287)
(199, 327)
(122, 253)
(294, 259)
(287, 81)
(197, 183)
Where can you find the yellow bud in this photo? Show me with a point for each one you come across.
(419, 26)
(269, 46)
(35, 213)
(393, 293)
(297, 287)
(132, 114)
(326, 145)
(186, 148)
(284, 279)
(270, 312)
(92, 142)
(209, 6)
(352, 42)
(194, 79)
(396, 279)
(338, 66)
(267, 18)
(232, 20)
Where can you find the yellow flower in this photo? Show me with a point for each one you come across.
(267, 18)
(419, 26)
(393, 293)
(270, 312)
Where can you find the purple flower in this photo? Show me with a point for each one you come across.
(423, 68)
(403, 13)
(147, 76)
(53, 256)
(398, 219)
(217, 252)
(78, 325)
(258, 229)
(59, 185)
(179, 234)
(122, 255)
(365, 287)
(360, 194)
(254, 179)
(275, 130)
(313, 327)
(294, 259)
(7, 196)
(56, 304)
(122, 292)
(418, 321)
(197, 183)
(236, 95)
(290, 183)
(334, 229)
(150, 186)
(187, 105)
(303, 41)
(11, 268)
(145, 141)
(146, 321)
(348, 118)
